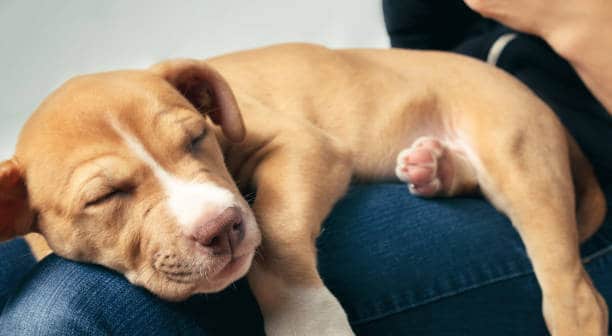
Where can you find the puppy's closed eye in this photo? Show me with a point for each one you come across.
(105, 197)
(195, 142)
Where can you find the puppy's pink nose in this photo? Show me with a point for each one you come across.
(223, 233)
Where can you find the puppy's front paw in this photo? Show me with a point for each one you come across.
(306, 312)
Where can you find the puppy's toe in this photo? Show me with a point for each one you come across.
(418, 166)
(429, 189)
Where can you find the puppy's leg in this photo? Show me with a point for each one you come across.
(297, 183)
(433, 167)
(525, 172)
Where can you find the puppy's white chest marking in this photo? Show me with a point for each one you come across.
(189, 202)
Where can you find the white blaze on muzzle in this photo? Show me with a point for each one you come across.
(192, 204)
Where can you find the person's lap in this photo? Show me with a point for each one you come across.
(397, 263)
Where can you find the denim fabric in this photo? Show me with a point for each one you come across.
(15, 262)
(439, 267)
(399, 265)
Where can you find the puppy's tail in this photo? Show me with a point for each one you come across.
(590, 200)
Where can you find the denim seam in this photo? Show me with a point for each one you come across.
(515, 275)
(441, 296)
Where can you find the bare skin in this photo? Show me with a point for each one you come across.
(577, 30)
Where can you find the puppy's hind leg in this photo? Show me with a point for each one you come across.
(525, 172)
(590, 200)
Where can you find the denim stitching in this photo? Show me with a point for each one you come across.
(441, 296)
(515, 275)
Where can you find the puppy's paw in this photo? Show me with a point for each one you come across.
(425, 167)
(435, 168)
(306, 312)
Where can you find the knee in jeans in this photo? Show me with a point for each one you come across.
(61, 297)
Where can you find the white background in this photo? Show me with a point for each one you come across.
(43, 43)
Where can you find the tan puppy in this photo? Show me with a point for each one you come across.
(126, 170)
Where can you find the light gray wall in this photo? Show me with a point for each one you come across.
(43, 43)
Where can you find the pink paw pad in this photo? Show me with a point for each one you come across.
(418, 166)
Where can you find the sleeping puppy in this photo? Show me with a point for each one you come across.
(141, 171)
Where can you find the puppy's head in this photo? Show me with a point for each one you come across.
(124, 169)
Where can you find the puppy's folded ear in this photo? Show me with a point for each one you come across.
(207, 91)
(16, 217)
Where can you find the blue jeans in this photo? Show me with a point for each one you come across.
(400, 265)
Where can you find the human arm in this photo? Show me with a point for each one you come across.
(579, 31)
